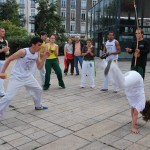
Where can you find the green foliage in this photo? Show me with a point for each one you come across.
(18, 42)
(47, 19)
(9, 11)
(12, 30)
(61, 39)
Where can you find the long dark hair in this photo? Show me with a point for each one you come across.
(146, 112)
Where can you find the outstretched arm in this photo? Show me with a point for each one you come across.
(39, 62)
(18, 54)
(134, 121)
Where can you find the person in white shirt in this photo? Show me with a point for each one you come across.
(112, 48)
(22, 75)
(68, 53)
(133, 85)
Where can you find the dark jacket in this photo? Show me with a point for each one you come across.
(143, 46)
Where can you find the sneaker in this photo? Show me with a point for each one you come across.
(65, 73)
(81, 86)
(104, 90)
(115, 91)
(92, 86)
(63, 86)
(2, 95)
(77, 74)
(41, 108)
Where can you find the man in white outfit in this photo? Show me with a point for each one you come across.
(112, 48)
(4, 51)
(22, 75)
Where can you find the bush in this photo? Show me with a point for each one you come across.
(18, 42)
(12, 30)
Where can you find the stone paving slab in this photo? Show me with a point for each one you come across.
(77, 119)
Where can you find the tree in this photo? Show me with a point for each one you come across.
(12, 30)
(47, 19)
(9, 11)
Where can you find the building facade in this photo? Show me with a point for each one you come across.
(74, 12)
(118, 16)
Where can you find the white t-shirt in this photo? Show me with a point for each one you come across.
(69, 48)
(111, 47)
(24, 66)
(135, 94)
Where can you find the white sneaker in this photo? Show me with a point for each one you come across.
(92, 86)
(82, 86)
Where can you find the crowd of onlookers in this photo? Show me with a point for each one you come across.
(43, 50)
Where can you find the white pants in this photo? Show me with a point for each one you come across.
(105, 84)
(2, 91)
(32, 86)
(42, 74)
(87, 65)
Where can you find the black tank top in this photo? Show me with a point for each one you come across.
(2, 45)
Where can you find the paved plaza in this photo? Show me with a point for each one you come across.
(77, 119)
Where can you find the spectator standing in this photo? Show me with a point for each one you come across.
(88, 53)
(68, 53)
(4, 51)
(52, 62)
(77, 51)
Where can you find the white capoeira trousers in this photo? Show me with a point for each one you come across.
(32, 86)
(88, 65)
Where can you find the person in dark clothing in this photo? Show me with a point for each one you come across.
(77, 51)
(139, 58)
(4, 51)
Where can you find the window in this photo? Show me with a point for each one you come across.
(73, 4)
(64, 26)
(22, 5)
(52, 1)
(32, 12)
(21, 1)
(72, 15)
(63, 14)
(72, 27)
(63, 3)
(32, 3)
(83, 16)
(83, 28)
(2, 1)
(21, 11)
(94, 2)
(32, 27)
(83, 4)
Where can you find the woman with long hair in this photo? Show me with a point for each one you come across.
(52, 62)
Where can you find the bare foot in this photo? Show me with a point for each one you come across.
(135, 131)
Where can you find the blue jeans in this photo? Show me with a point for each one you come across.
(76, 59)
